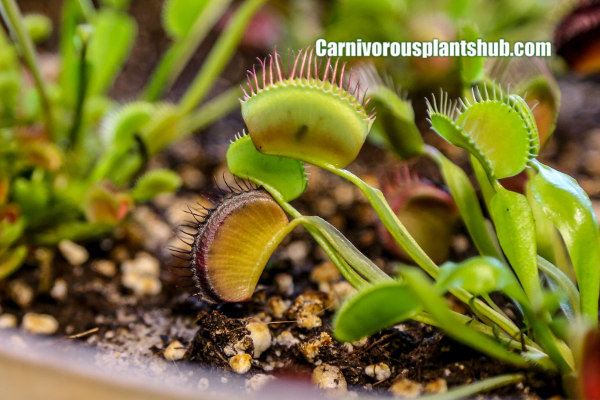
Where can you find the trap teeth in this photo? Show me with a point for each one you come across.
(233, 244)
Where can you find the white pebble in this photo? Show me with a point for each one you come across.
(21, 293)
(260, 335)
(142, 264)
(380, 371)
(174, 351)
(59, 290)
(8, 321)
(406, 388)
(438, 386)
(73, 253)
(277, 307)
(297, 251)
(329, 377)
(40, 324)
(310, 349)
(325, 272)
(240, 363)
(142, 275)
(285, 284)
(105, 267)
(287, 339)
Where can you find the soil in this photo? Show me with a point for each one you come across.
(96, 308)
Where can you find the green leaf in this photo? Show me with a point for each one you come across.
(357, 260)
(177, 56)
(549, 243)
(472, 69)
(398, 121)
(469, 391)
(73, 230)
(32, 196)
(565, 203)
(515, 228)
(154, 183)
(118, 4)
(558, 280)
(482, 121)
(12, 260)
(71, 16)
(219, 55)
(111, 41)
(478, 275)
(179, 16)
(285, 175)
(374, 309)
(486, 188)
(467, 202)
(10, 232)
(436, 305)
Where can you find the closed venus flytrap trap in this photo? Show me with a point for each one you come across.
(313, 116)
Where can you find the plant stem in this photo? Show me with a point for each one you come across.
(468, 391)
(346, 249)
(87, 9)
(180, 52)
(513, 343)
(81, 95)
(210, 111)
(219, 55)
(408, 243)
(468, 204)
(563, 281)
(349, 274)
(14, 21)
(435, 304)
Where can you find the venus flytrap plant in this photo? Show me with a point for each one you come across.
(314, 116)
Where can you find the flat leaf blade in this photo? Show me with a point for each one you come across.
(472, 69)
(477, 275)
(515, 228)
(112, 39)
(283, 174)
(569, 208)
(373, 309)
